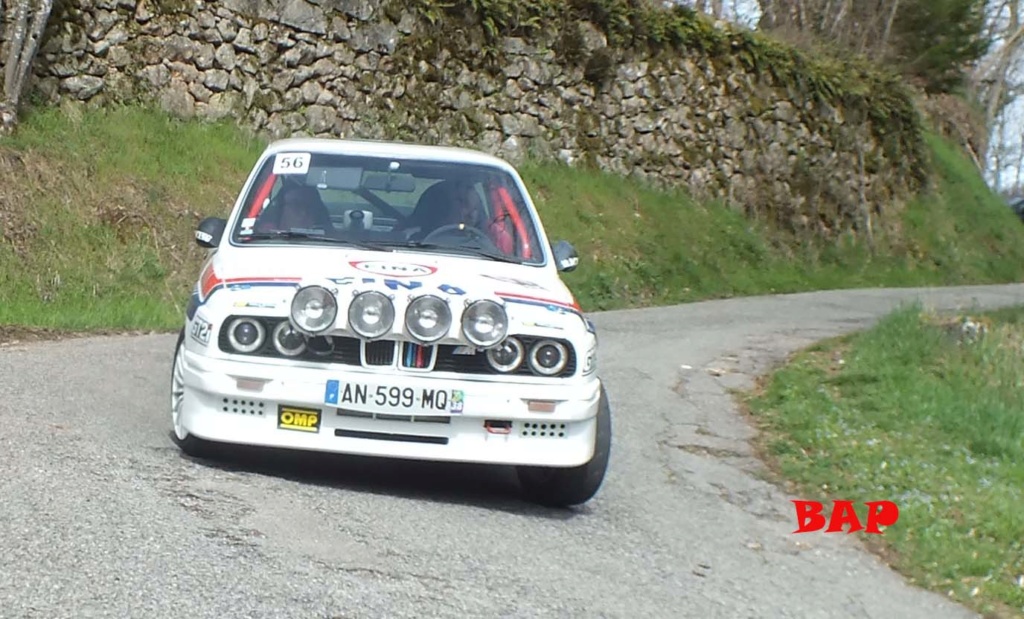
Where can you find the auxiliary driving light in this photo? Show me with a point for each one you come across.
(428, 318)
(246, 334)
(507, 356)
(288, 340)
(548, 357)
(371, 314)
(314, 309)
(485, 323)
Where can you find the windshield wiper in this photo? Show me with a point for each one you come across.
(476, 250)
(292, 234)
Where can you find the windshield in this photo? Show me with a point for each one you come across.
(384, 203)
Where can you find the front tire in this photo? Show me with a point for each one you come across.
(191, 445)
(565, 487)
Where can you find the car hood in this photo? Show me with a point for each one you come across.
(258, 273)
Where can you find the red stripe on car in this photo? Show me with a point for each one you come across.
(524, 297)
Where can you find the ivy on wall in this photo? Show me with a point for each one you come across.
(639, 28)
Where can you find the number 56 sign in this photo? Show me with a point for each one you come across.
(291, 163)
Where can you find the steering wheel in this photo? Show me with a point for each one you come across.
(471, 231)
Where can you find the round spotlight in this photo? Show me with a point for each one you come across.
(548, 357)
(314, 309)
(507, 356)
(288, 340)
(371, 314)
(246, 334)
(485, 323)
(428, 318)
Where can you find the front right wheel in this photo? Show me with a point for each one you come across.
(564, 487)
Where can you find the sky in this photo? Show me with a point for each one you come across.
(1007, 137)
(1011, 173)
(745, 12)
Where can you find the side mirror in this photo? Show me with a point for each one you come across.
(209, 232)
(566, 257)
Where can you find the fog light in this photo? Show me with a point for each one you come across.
(428, 318)
(314, 309)
(371, 314)
(485, 323)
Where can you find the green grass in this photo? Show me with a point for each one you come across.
(911, 411)
(98, 209)
(640, 246)
(113, 196)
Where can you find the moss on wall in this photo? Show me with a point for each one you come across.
(667, 95)
(635, 28)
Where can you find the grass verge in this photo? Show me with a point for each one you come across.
(915, 412)
(98, 207)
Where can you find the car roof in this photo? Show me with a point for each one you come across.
(377, 148)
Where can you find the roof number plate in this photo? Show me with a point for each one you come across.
(291, 163)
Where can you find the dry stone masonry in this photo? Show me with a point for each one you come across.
(355, 68)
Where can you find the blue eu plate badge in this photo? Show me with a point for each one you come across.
(331, 393)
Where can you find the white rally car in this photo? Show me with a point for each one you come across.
(392, 300)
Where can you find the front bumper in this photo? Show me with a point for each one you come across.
(239, 402)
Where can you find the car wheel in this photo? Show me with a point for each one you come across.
(191, 445)
(564, 487)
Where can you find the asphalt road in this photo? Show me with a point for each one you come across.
(101, 516)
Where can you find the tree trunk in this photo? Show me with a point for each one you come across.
(888, 22)
(22, 39)
(769, 15)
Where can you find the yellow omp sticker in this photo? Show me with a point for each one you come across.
(294, 418)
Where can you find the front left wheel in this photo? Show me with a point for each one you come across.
(565, 487)
(191, 445)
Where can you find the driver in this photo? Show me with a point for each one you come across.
(462, 205)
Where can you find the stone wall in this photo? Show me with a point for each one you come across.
(356, 68)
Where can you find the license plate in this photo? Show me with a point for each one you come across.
(393, 397)
(297, 418)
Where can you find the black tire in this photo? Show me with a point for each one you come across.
(565, 487)
(191, 445)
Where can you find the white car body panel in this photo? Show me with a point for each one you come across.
(236, 398)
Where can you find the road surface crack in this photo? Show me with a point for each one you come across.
(424, 579)
(706, 450)
(747, 500)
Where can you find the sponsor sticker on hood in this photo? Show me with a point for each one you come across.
(393, 269)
